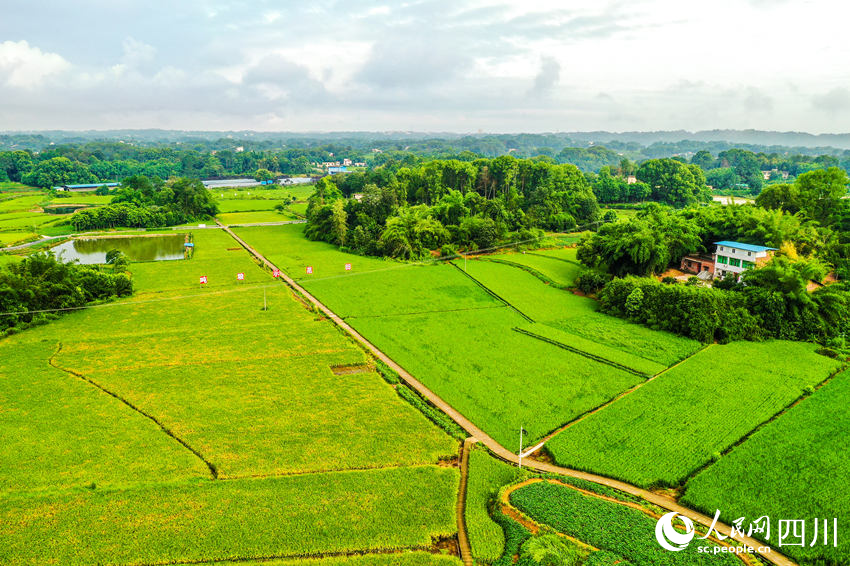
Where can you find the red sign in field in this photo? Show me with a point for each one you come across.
(240, 276)
(309, 270)
(276, 273)
(348, 267)
(203, 279)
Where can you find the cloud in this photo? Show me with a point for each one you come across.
(833, 102)
(278, 78)
(137, 53)
(757, 101)
(27, 67)
(413, 61)
(547, 78)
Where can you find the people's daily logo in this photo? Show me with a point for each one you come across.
(671, 539)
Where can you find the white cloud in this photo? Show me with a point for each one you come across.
(498, 65)
(27, 67)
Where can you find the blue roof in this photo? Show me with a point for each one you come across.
(742, 246)
(87, 186)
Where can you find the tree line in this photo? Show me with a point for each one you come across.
(40, 282)
(409, 211)
(143, 202)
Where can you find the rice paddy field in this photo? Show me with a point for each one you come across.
(454, 335)
(793, 468)
(486, 476)
(255, 217)
(191, 424)
(607, 526)
(668, 429)
(22, 217)
(576, 315)
(188, 424)
(287, 248)
(559, 271)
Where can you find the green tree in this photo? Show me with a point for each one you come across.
(58, 171)
(821, 193)
(645, 245)
(673, 182)
(263, 175)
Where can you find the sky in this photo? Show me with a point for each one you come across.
(429, 65)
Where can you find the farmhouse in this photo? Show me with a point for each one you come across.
(730, 258)
(702, 265)
(733, 258)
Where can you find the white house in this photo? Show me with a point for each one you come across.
(733, 258)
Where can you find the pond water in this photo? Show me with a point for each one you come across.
(64, 209)
(136, 248)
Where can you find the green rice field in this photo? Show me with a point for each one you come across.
(560, 272)
(233, 520)
(254, 217)
(607, 526)
(486, 476)
(803, 451)
(669, 428)
(577, 315)
(188, 424)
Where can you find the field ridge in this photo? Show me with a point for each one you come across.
(493, 293)
(593, 357)
(531, 270)
(210, 466)
(607, 403)
(764, 423)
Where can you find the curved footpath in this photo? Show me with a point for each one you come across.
(662, 501)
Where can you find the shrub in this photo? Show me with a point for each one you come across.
(590, 280)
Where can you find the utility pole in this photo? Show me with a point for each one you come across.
(265, 304)
(521, 430)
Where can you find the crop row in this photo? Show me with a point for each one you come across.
(795, 468)
(204, 521)
(577, 315)
(616, 528)
(673, 425)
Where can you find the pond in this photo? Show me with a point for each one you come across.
(64, 209)
(136, 248)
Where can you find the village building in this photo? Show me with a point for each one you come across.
(729, 259)
(83, 188)
(733, 258)
(701, 265)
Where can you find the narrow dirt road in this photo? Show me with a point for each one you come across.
(462, 533)
(661, 501)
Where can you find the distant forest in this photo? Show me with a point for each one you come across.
(47, 159)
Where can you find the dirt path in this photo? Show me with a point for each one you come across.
(462, 533)
(500, 451)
